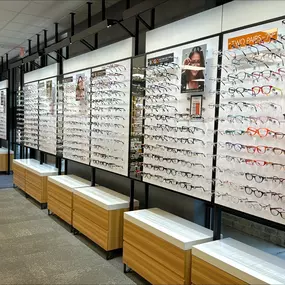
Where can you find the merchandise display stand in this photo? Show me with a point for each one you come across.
(31, 177)
(98, 214)
(4, 159)
(60, 195)
(157, 245)
(231, 262)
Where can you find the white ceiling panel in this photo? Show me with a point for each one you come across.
(32, 20)
(14, 27)
(35, 9)
(13, 5)
(3, 23)
(14, 34)
(8, 41)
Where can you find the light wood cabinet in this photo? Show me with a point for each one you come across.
(157, 245)
(98, 214)
(4, 160)
(60, 195)
(19, 176)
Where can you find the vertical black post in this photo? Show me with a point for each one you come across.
(208, 216)
(59, 165)
(38, 43)
(13, 119)
(137, 35)
(132, 194)
(72, 24)
(8, 123)
(65, 166)
(2, 67)
(217, 223)
(56, 39)
(103, 8)
(152, 18)
(21, 152)
(93, 176)
(216, 123)
(146, 195)
(42, 157)
(30, 52)
(96, 41)
(89, 14)
(128, 4)
(45, 57)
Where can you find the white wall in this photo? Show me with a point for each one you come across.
(42, 73)
(117, 51)
(4, 84)
(229, 16)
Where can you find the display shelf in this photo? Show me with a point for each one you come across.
(110, 89)
(179, 126)
(60, 197)
(98, 214)
(4, 159)
(76, 116)
(250, 163)
(164, 242)
(230, 261)
(3, 113)
(48, 115)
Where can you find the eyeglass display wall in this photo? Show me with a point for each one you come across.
(31, 115)
(250, 163)
(3, 110)
(179, 128)
(110, 92)
(48, 115)
(76, 116)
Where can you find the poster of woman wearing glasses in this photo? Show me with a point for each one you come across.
(80, 87)
(193, 67)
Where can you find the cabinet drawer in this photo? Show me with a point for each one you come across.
(204, 273)
(149, 268)
(172, 257)
(60, 209)
(34, 179)
(91, 211)
(19, 169)
(34, 191)
(19, 181)
(4, 162)
(91, 230)
(60, 194)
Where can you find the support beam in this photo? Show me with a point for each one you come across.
(143, 22)
(72, 15)
(89, 14)
(87, 44)
(103, 8)
(38, 43)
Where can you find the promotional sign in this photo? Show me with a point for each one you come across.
(253, 38)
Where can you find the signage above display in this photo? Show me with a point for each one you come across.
(98, 73)
(161, 59)
(253, 38)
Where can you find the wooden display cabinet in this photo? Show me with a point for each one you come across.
(4, 160)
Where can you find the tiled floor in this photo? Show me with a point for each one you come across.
(38, 249)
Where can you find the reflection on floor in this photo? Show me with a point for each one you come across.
(253, 241)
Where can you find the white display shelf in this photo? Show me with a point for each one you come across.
(35, 167)
(4, 150)
(105, 198)
(175, 230)
(69, 182)
(242, 261)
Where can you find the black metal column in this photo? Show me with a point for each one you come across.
(132, 194)
(146, 195)
(65, 166)
(8, 114)
(217, 226)
(93, 176)
(137, 36)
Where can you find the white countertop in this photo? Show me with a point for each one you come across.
(35, 167)
(247, 263)
(4, 150)
(69, 182)
(105, 198)
(180, 232)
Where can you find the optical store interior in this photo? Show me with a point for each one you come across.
(142, 142)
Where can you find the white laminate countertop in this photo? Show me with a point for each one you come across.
(35, 167)
(105, 198)
(247, 263)
(180, 232)
(69, 182)
(4, 150)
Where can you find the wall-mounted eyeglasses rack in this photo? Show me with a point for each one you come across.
(235, 77)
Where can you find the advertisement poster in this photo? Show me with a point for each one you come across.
(2, 105)
(80, 87)
(49, 89)
(196, 106)
(193, 68)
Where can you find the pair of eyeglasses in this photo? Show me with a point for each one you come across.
(182, 151)
(263, 132)
(102, 155)
(106, 164)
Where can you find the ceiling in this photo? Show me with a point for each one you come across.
(22, 20)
